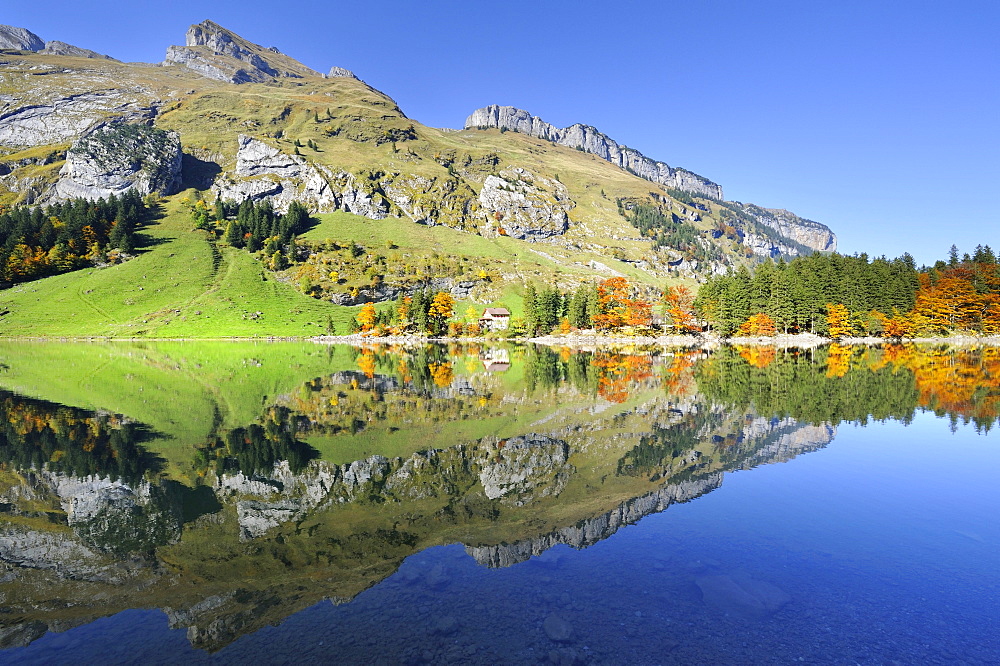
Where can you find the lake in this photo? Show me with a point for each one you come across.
(238, 502)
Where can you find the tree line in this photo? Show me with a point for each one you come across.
(839, 383)
(42, 241)
(832, 294)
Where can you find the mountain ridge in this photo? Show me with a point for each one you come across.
(591, 140)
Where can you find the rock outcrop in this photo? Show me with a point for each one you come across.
(809, 234)
(220, 54)
(525, 205)
(264, 172)
(57, 119)
(62, 48)
(120, 158)
(340, 72)
(19, 39)
(590, 140)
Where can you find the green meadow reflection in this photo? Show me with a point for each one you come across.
(233, 484)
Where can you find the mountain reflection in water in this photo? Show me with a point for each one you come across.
(371, 455)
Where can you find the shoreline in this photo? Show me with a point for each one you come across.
(576, 340)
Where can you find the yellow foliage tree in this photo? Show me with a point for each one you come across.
(366, 318)
(442, 307)
(838, 320)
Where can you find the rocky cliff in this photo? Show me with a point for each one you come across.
(790, 226)
(340, 145)
(120, 158)
(220, 54)
(784, 233)
(590, 140)
(21, 39)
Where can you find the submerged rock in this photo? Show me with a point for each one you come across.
(741, 595)
(557, 628)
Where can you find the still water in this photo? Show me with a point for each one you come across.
(280, 503)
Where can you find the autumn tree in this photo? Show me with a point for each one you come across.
(838, 321)
(366, 317)
(613, 300)
(679, 310)
(759, 324)
(440, 311)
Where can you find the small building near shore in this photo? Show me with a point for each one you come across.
(495, 319)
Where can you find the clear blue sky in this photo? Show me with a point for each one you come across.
(879, 118)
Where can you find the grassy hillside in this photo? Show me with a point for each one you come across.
(182, 284)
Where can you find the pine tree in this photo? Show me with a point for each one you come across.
(530, 309)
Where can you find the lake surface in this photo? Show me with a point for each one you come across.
(288, 503)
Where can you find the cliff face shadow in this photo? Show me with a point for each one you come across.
(197, 173)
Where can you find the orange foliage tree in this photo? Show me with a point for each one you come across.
(612, 303)
(678, 307)
(759, 324)
(442, 307)
(616, 307)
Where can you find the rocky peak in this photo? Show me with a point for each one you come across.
(590, 140)
(62, 48)
(221, 54)
(19, 39)
(336, 72)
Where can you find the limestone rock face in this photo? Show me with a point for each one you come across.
(119, 158)
(524, 205)
(340, 72)
(19, 39)
(64, 118)
(589, 139)
(220, 54)
(812, 235)
(264, 172)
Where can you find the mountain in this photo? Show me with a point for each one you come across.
(235, 120)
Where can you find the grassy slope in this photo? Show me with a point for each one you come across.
(182, 391)
(181, 285)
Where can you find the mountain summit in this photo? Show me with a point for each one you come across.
(220, 54)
